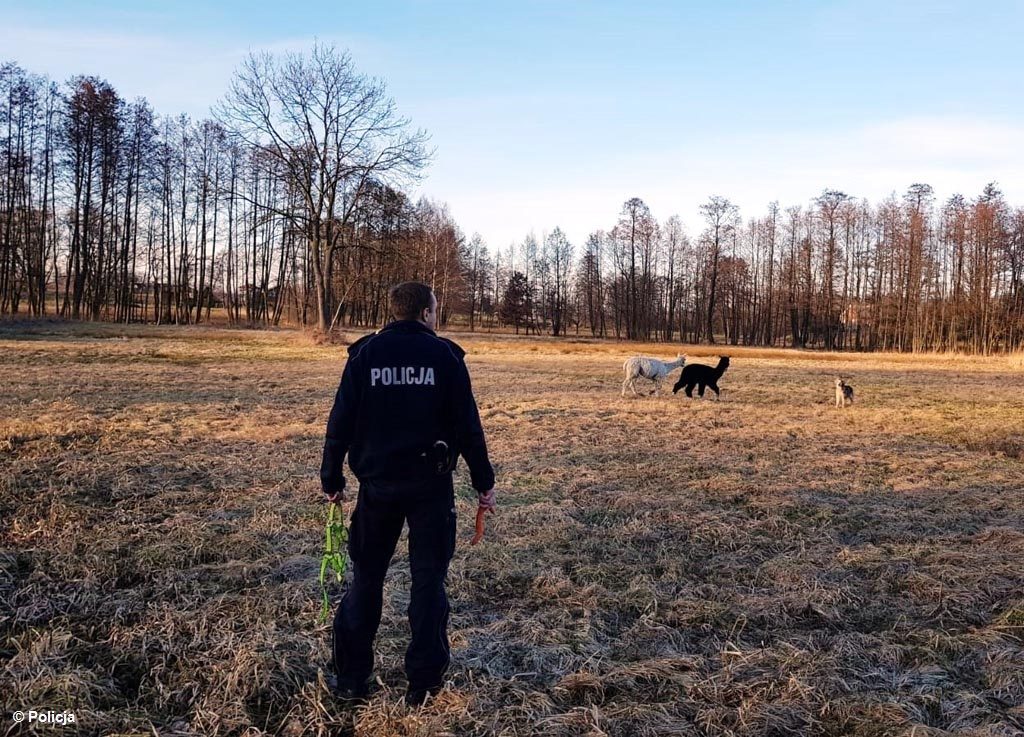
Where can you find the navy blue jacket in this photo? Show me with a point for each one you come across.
(402, 389)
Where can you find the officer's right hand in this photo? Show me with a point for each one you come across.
(487, 500)
(338, 496)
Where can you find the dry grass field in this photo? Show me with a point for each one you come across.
(764, 565)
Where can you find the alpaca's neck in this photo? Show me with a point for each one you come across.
(720, 369)
(674, 364)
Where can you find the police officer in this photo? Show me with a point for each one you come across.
(403, 413)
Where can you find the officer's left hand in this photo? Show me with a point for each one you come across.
(486, 500)
(336, 497)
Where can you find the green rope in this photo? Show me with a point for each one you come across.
(334, 557)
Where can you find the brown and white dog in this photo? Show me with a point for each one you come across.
(844, 393)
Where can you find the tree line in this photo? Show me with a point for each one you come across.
(290, 204)
(906, 274)
(286, 204)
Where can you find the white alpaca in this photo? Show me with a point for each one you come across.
(639, 367)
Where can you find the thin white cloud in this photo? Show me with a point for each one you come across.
(971, 142)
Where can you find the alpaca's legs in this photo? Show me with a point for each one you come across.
(701, 389)
(718, 394)
(689, 390)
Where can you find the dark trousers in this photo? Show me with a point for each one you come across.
(380, 513)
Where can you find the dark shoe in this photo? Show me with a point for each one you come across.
(418, 696)
(350, 696)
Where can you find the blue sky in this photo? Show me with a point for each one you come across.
(550, 114)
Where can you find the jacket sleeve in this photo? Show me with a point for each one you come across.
(469, 434)
(340, 428)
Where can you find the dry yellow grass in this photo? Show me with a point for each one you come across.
(765, 565)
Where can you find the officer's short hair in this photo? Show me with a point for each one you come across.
(409, 299)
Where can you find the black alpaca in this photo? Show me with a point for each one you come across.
(697, 374)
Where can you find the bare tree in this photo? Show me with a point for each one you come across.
(830, 203)
(721, 217)
(558, 255)
(326, 130)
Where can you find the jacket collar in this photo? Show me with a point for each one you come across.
(408, 326)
